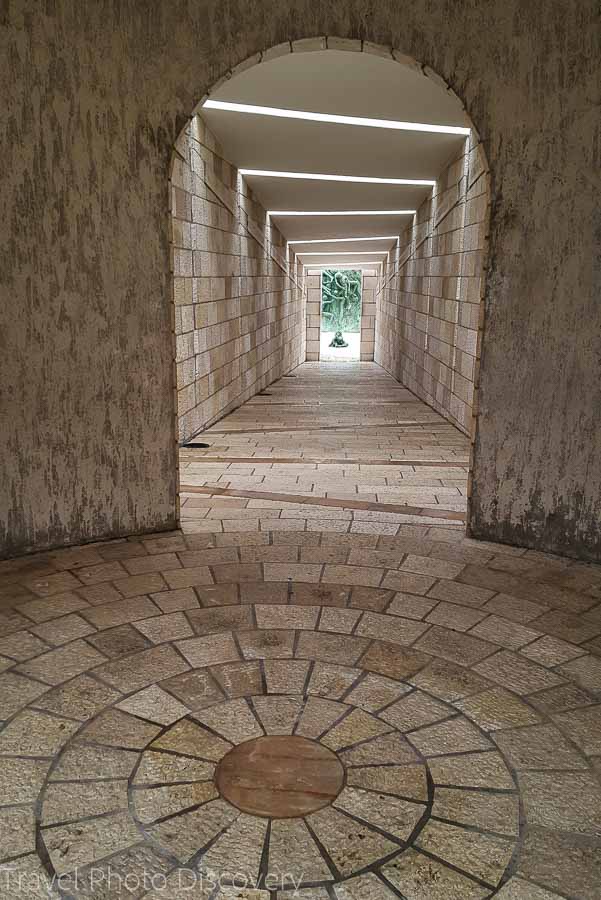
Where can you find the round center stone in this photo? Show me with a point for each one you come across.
(280, 777)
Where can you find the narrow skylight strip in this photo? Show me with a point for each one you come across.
(356, 179)
(334, 119)
(388, 237)
(343, 253)
(342, 212)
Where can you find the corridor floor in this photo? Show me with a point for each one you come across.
(318, 688)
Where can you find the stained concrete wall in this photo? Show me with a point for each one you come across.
(238, 303)
(94, 96)
(429, 297)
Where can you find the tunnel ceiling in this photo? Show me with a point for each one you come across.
(345, 84)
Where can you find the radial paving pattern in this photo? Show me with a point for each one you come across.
(364, 716)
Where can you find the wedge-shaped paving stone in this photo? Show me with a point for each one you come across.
(155, 803)
(390, 748)
(484, 856)
(232, 719)
(278, 715)
(120, 613)
(275, 615)
(464, 594)
(342, 621)
(564, 801)
(357, 726)
(456, 735)
(120, 641)
(62, 664)
(332, 648)
(456, 617)
(191, 739)
(267, 644)
(393, 661)
(293, 854)
(33, 733)
(23, 645)
(454, 646)
(141, 669)
(30, 873)
(448, 680)
(286, 676)
(167, 768)
(318, 716)
(332, 681)
(479, 809)
(17, 832)
(374, 691)
(238, 850)
(497, 708)
(421, 878)
(551, 651)
(21, 780)
(363, 887)
(196, 689)
(410, 607)
(403, 781)
(85, 842)
(414, 711)
(118, 729)
(121, 877)
(65, 802)
(585, 671)
(583, 727)
(579, 871)
(169, 627)
(485, 770)
(350, 846)
(155, 704)
(393, 629)
(209, 651)
(17, 692)
(186, 834)
(393, 815)
(220, 618)
(82, 762)
(518, 889)
(239, 679)
(517, 674)
(539, 747)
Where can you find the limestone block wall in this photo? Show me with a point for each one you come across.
(428, 299)
(238, 300)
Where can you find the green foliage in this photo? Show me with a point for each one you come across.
(341, 300)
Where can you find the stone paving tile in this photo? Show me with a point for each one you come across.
(497, 708)
(23, 645)
(374, 599)
(585, 671)
(427, 565)
(17, 832)
(550, 651)
(65, 802)
(516, 673)
(17, 692)
(458, 618)
(220, 618)
(286, 616)
(374, 692)
(518, 889)
(421, 878)
(415, 710)
(181, 578)
(331, 680)
(565, 801)
(568, 627)
(239, 679)
(353, 575)
(172, 601)
(538, 747)
(511, 635)
(191, 739)
(514, 608)
(155, 803)
(278, 715)
(139, 670)
(121, 613)
(484, 769)
(285, 676)
(318, 716)
(410, 607)
(579, 873)
(294, 854)
(443, 737)
(33, 733)
(84, 762)
(120, 641)
(583, 726)
(61, 631)
(170, 627)
(407, 582)
(50, 608)
(484, 856)
(356, 727)
(239, 849)
(361, 887)
(395, 630)
(156, 767)
(209, 650)
(390, 748)
(454, 646)
(233, 720)
(267, 644)
(317, 595)
(480, 809)
(408, 781)
(448, 681)
(396, 816)
(342, 621)
(193, 830)
(393, 660)
(71, 846)
(142, 565)
(115, 728)
(332, 648)
(21, 780)
(350, 846)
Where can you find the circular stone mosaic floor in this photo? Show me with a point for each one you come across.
(311, 715)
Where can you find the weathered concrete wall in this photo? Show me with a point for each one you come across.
(238, 305)
(429, 301)
(94, 96)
